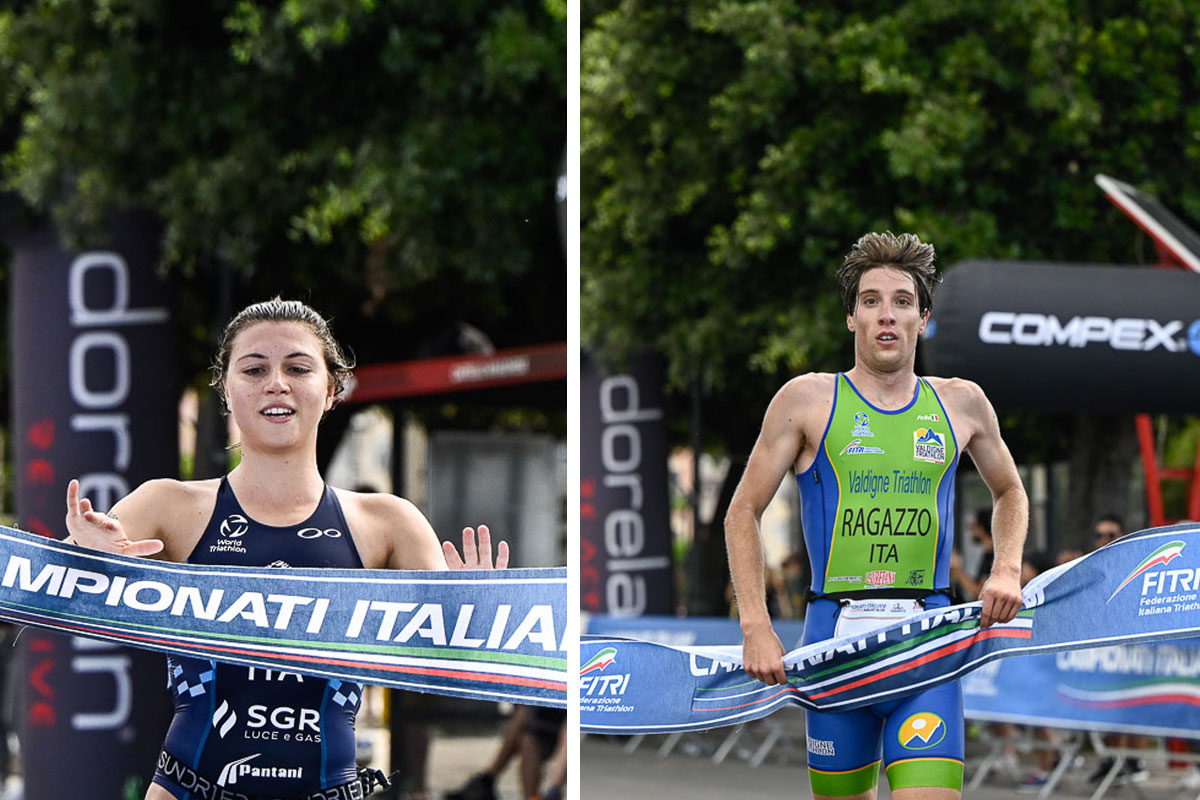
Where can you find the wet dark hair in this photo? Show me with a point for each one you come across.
(278, 310)
(905, 252)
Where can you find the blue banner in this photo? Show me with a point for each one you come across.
(492, 635)
(1143, 587)
(1151, 689)
(685, 631)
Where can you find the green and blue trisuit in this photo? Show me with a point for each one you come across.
(877, 507)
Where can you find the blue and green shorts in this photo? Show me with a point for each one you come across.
(918, 738)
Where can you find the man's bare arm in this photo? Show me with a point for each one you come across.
(1001, 592)
(777, 448)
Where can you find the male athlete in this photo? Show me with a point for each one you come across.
(875, 451)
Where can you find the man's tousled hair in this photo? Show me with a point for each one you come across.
(905, 252)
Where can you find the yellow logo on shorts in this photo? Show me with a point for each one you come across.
(922, 731)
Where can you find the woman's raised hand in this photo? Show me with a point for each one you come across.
(99, 531)
(476, 557)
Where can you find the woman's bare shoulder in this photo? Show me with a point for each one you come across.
(172, 510)
(379, 506)
(181, 489)
(389, 531)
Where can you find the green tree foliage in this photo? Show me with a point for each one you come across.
(394, 161)
(1178, 440)
(733, 151)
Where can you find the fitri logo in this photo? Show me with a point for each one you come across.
(234, 526)
(313, 533)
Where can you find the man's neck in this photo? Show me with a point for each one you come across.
(886, 390)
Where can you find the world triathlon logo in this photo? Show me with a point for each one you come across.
(234, 525)
(1160, 557)
(232, 529)
(600, 661)
(922, 731)
(862, 425)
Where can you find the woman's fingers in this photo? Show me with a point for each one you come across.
(485, 548)
(470, 555)
(102, 520)
(452, 559)
(102, 531)
(476, 555)
(143, 547)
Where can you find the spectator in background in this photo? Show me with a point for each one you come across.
(1047, 755)
(794, 584)
(556, 773)
(1108, 528)
(536, 734)
(1035, 564)
(778, 601)
(981, 534)
(1066, 556)
(1190, 781)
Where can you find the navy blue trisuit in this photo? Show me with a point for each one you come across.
(251, 732)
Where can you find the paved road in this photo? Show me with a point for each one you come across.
(610, 773)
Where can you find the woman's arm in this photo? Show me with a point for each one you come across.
(105, 531)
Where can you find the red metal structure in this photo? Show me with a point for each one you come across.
(1175, 244)
(547, 362)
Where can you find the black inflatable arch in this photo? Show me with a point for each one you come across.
(1070, 337)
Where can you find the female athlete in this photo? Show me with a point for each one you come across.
(241, 732)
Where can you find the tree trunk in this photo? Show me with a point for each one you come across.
(709, 567)
(1104, 449)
